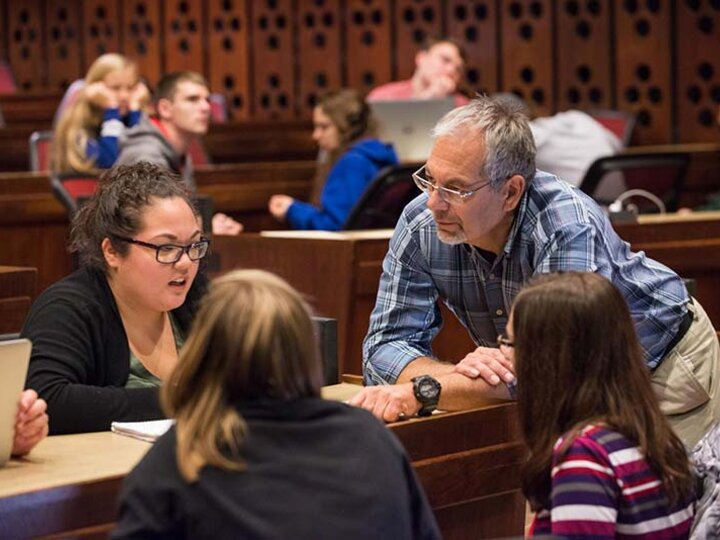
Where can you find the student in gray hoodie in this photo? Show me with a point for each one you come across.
(182, 117)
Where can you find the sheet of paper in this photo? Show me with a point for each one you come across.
(145, 431)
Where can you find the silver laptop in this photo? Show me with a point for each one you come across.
(14, 359)
(407, 124)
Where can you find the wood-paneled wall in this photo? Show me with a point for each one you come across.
(272, 58)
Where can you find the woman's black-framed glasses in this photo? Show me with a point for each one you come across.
(504, 341)
(171, 253)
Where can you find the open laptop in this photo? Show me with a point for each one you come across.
(407, 124)
(14, 359)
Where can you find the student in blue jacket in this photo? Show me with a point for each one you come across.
(112, 98)
(344, 130)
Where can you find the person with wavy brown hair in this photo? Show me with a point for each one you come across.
(256, 452)
(344, 129)
(603, 460)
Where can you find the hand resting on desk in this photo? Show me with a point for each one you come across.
(31, 423)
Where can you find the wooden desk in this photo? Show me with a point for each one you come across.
(689, 244)
(339, 273)
(17, 292)
(468, 463)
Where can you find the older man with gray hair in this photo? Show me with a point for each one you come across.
(486, 224)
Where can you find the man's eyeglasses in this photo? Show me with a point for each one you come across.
(450, 196)
(171, 253)
(504, 341)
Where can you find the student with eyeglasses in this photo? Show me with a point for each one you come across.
(487, 223)
(106, 336)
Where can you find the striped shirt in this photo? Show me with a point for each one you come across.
(557, 228)
(603, 487)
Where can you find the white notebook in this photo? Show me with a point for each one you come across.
(145, 431)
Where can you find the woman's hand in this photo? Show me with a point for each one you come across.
(489, 364)
(139, 96)
(99, 94)
(278, 206)
(31, 423)
(224, 225)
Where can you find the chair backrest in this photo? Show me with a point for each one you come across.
(40, 150)
(621, 123)
(662, 174)
(384, 199)
(7, 80)
(218, 108)
(197, 152)
(71, 190)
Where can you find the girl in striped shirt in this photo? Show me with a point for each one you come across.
(603, 461)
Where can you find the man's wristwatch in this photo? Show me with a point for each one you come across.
(427, 392)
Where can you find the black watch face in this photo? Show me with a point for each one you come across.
(427, 388)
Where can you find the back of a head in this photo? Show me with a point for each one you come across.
(575, 347)
(168, 83)
(505, 129)
(578, 361)
(350, 113)
(252, 339)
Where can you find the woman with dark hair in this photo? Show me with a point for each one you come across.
(256, 452)
(106, 336)
(603, 461)
(345, 132)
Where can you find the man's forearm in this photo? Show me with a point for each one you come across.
(458, 391)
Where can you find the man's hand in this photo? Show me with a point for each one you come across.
(224, 225)
(389, 403)
(439, 87)
(31, 423)
(489, 364)
(278, 206)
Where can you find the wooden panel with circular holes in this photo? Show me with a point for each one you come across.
(584, 50)
(141, 36)
(698, 71)
(228, 61)
(319, 46)
(273, 50)
(63, 28)
(643, 59)
(473, 25)
(369, 50)
(26, 52)
(415, 21)
(101, 29)
(183, 43)
(527, 62)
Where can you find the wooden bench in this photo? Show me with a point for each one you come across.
(35, 226)
(17, 292)
(232, 142)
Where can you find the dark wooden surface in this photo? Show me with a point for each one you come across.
(17, 291)
(340, 276)
(35, 227)
(231, 142)
(467, 462)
